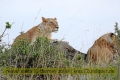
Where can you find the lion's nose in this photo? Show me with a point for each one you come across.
(57, 27)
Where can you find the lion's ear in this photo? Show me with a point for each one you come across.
(112, 34)
(43, 19)
(55, 18)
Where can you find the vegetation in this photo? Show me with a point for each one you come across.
(43, 55)
(117, 31)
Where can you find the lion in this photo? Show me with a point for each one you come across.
(104, 49)
(45, 28)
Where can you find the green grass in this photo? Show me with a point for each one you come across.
(43, 55)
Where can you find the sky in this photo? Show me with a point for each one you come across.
(80, 22)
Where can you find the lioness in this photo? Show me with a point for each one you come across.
(104, 49)
(45, 28)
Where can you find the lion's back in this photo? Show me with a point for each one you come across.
(103, 49)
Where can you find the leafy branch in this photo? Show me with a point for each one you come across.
(8, 26)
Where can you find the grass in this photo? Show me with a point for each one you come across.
(43, 55)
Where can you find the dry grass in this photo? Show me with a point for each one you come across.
(43, 55)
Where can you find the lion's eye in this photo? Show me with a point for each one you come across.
(51, 22)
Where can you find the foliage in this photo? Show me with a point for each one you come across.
(3, 50)
(40, 52)
(117, 30)
(43, 54)
(8, 26)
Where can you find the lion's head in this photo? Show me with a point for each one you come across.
(49, 24)
(104, 49)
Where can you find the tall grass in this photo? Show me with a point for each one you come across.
(42, 54)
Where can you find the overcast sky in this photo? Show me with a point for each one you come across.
(81, 22)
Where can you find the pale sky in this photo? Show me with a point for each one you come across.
(81, 22)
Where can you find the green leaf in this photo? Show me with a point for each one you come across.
(8, 25)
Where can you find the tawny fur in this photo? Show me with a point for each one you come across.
(45, 28)
(104, 49)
